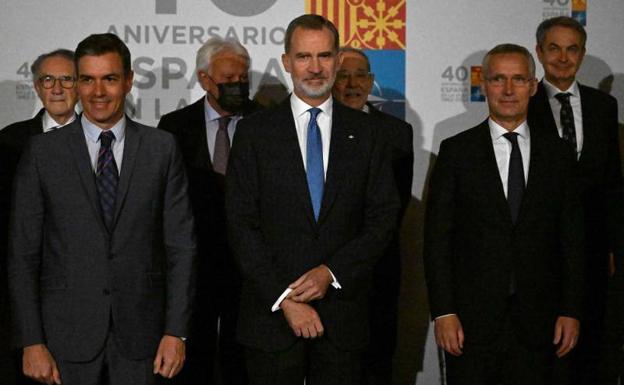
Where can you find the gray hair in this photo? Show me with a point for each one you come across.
(506, 49)
(357, 52)
(61, 52)
(559, 21)
(216, 45)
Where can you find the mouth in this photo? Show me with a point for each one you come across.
(353, 94)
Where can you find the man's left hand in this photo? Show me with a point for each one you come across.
(170, 356)
(566, 334)
(312, 285)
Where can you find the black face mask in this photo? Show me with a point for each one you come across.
(234, 96)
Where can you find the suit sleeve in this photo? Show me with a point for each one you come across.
(439, 222)
(25, 244)
(179, 239)
(353, 263)
(572, 244)
(613, 182)
(242, 209)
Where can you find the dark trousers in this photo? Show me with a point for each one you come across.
(505, 360)
(109, 367)
(317, 361)
(214, 356)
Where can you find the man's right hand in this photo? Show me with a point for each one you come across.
(302, 318)
(39, 365)
(449, 334)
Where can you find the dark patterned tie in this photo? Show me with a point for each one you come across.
(107, 177)
(567, 119)
(314, 163)
(515, 178)
(222, 146)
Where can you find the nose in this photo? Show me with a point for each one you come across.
(508, 87)
(57, 89)
(98, 88)
(563, 55)
(315, 65)
(351, 80)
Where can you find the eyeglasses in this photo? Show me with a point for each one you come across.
(517, 80)
(359, 76)
(48, 81)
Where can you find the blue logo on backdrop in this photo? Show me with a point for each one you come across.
(388, 92)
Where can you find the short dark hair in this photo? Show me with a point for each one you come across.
(100, 44)
(507, 48)
(62, 52)
(560, 21)
(310, 21)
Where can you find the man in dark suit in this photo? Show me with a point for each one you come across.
(102, 247)
(304, 215)
(54, 81)
(504, 263)
(204, 131)
(587, 120)
(354, 82)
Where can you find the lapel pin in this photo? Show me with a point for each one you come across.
(351, 136)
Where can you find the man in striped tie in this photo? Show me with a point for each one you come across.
(101, 264)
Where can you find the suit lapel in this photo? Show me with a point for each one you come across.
(197, 135)
(339, 154)
(588, 123)
(536, 173)
(132, 142)
(491, 173)
(286, 133)
(545, 118)
(82, 160)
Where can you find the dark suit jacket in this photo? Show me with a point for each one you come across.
(13, 138)
(216, 266)
(275, 238)
(472, 247)
(69, 276)
(599, 172)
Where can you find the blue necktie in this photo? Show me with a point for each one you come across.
(107, 177)
(314, 163)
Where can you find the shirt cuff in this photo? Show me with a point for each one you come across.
(335, 282)
(276, 305)
(444, 316)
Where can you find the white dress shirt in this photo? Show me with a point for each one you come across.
(212, 126)
(575, 102)
(49, 123)
(301, 115)
(92, 135)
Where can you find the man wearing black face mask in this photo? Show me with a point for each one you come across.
(204, 131)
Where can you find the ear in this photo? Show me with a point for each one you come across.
(539, 52)
(128, 81)
(533, 87)
(286, 62)
(204, 80)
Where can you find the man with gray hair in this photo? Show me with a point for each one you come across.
(54, 79)
(587, 120)
(204, 131)
(504, 262)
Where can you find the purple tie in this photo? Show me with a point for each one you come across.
(107, 178)
(222, 146)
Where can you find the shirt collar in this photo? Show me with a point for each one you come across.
(93, 132)
(497, 131)
(299, 107)
(49, 123)
(551, 90)
(209, 112)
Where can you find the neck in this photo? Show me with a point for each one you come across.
(213, 103)
(61, 120)
(314, 102)
(562, 84)
(509, 124)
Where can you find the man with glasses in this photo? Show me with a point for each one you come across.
(354, 82)
(503, 239)
(54, 79)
